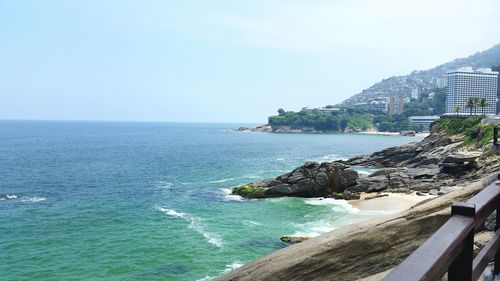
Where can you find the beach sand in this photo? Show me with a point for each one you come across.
(393, 202)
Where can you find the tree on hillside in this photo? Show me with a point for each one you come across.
(343, 124)
(281, 112)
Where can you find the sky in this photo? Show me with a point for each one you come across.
(220, 61)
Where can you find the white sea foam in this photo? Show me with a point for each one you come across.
(10, 196)
(343, 204)
(222, 180)
(250, 223)
(313, 228)
(33, 199)
(229, 196)
(206, 278)
(195, 224)
(232, 266)
(329, 158)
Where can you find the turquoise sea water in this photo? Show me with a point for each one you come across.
(149, 201)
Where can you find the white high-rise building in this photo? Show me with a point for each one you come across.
(464, 83)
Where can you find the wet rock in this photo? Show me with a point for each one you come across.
(294, 239)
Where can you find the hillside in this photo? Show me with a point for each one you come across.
(425, 79)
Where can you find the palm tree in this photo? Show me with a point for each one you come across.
(471, 103)
(457, 110)
(483, 104)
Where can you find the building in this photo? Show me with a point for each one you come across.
(396, 104)
(379, 105)
(415, 94)
(464, 83)
(424, 121)
(442, 82)
(320, 110)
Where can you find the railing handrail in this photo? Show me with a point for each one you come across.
(450, 248)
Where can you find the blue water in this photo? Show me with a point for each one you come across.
(149, 201)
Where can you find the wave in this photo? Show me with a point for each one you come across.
(206, 278)
(33, 199)
(229, 196)
(195, 224)
(229, 267)
(250, 223)
(313, 228)
(232, 266)
(13, 197)
(222, 180)
(343, 204)
(330, 158)
(164, 185)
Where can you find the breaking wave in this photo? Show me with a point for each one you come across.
(312, 229)
(28, 199)
(337, 204)
(229, 196)
(195, 224)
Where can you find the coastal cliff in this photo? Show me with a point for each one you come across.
(455, 162)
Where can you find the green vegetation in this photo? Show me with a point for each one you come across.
(332, 122)
(249, 191)
(355, 119)
(475, 132)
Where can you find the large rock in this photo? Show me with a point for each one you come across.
(309, 180)
(462, 157)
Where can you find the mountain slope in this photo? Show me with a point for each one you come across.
(425, 79)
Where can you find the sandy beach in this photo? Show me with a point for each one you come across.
(391, 202)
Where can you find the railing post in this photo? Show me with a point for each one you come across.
(461, 268)
(496, 268)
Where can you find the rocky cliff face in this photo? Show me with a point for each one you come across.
(437, 165)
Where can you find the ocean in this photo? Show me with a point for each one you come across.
(151, 201)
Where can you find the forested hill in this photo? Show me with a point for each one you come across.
(426, 79)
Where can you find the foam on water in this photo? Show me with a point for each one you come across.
(222, 180)
(229, 196)
(250, 223)
(28, 199)
(313, 228)
(329, 158)
(33, 199)
(195, 224)
(337, 203)
(232, 266)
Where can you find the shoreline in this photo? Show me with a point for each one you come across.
(388, 201)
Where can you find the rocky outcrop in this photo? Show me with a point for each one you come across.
(309, 180)
(294, 239)
(362, 251)
(262, 128)
(438, 164)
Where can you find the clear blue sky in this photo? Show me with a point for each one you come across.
(220, 61)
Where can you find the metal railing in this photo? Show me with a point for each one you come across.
(450, 248)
